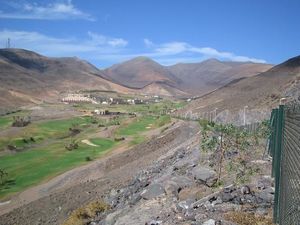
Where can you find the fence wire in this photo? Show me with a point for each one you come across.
(285, 150)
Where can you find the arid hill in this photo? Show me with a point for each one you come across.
(139, 72)
(261, 91)
(206, 76)
(28, 77)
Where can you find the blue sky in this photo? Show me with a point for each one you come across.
(106, 32)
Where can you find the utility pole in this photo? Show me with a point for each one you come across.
(8, 43)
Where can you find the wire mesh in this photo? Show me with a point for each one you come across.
(285, 150)
(289, 191)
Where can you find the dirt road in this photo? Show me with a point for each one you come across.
(50, 203)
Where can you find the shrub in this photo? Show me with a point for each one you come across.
(80, 215)
(72, 145)
(88, 158)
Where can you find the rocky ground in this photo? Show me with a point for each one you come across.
(177, 190)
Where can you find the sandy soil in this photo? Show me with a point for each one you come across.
(86, 141)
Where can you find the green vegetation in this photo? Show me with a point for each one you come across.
(232, 148)
(80, 215)
(5, 122)
(137, 140)
(43, 149)
(30, 167)
(141, 124)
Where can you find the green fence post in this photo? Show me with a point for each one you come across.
(277, 161)
(274, 140)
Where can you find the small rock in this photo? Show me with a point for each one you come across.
(154, 222)
(261, 211)
(185, 205)
(209, 222)
(200, 217)
(266, 196)
(226, 197)
(264, 182)
(245, 190)
(190, 215)
(217, 201)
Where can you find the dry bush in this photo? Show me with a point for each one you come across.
(243, 218)
(81, 215)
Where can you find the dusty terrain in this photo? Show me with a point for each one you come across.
(52, 202)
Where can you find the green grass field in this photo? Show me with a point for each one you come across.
(143, 123)
(31, 167)
(46, 156)
(5, 122)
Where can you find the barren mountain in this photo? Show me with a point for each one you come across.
(193, 78)
(139, 72)
(27, 76)
(206, 76)
(261, 91)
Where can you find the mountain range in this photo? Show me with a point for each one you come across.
(191, 78)
(28, 77)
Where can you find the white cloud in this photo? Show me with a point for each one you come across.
(175, 48)
(53, 11)
(93, 44)
(148, 43)
(99, 39)
(172, 48)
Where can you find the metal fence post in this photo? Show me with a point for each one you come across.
(277, 160)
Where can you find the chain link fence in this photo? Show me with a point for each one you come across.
(242, 117)
(284, 147)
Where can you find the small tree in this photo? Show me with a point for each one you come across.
(19, 121)
(72, 145)
(227, 140)
(3, 176)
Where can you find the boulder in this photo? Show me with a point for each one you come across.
(153, 191)
(182, 181)
(171, 188)
(204, 175)
(266, 196)
(226, 197)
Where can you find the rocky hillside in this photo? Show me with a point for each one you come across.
(166, 180)
(179, 188)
